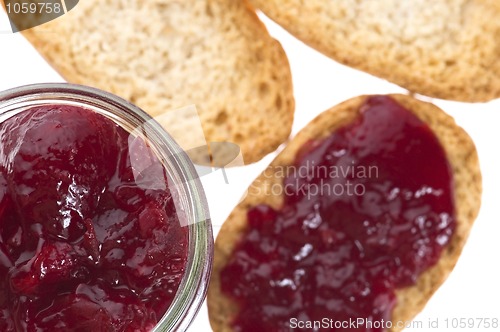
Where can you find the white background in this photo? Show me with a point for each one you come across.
(471, 291)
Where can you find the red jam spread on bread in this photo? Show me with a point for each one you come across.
(89, 235)
(366, 210)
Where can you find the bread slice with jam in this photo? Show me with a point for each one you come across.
(255, 273)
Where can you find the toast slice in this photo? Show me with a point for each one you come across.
(462, 157)
(167, 54)
(447, 49)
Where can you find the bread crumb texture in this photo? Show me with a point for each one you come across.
(447, 49)
(462, 157)
(166, 54)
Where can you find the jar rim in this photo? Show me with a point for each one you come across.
(193, 287)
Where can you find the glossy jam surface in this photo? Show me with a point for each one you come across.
(366, 211)
(89, 235)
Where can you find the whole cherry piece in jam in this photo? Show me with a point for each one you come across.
(366, 211)
(89, 235)
(61, 147)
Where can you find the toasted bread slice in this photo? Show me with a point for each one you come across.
(167, 54)
(462, 156)
(447, 49)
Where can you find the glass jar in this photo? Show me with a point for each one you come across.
(191, 204)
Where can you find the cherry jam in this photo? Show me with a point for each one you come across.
(89, 235)
(366, 211)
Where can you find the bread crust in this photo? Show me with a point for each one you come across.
(447, 49)
(167, 54)
(462, 157)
